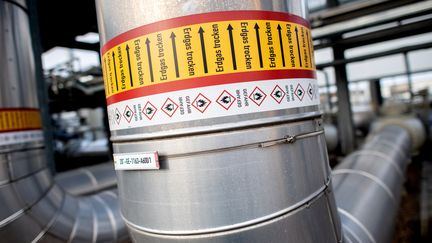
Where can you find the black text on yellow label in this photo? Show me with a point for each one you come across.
(205, 49)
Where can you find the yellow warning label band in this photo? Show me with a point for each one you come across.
(19, 119)
(205, 49)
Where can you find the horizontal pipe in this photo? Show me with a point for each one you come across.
(367, 184)
(88, 180)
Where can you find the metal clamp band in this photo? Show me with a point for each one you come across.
(288, 139)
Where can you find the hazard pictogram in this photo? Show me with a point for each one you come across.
(299, 92)
(201, 103)
(310, 91)
(128, 114)
(117, 116)
(257, 96)
(278, 94)
(149, 110)
(226, 100)
(169, 107)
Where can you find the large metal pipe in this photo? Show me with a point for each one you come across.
(255, 176)
(410, 123)
(368, 183)
(88, 180)
(331, 136)
(34, 208)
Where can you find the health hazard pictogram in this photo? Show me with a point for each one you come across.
(299, 92)
(201, 103)
(310, 91)
(169, 107)
(226, 100)
(278, 94)
(128, 114)
(117, 116)
(257, 96)
(149, 110)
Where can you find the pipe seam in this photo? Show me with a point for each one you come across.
(75, 226)
(20, 212)
(12, 181)
(369, 176)
(95, 224)
(359, 224)
(110, 215)
(391, 145)
(381, 155)
(298, 209)
(354, 235)
(90, 176)
(288, 210)
(50, 223)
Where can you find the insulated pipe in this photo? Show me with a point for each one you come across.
(411, 124)
(33, 207)
(368, 182)
(215, 123)
(88, 180)
(331, 136)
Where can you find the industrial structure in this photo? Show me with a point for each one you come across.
(215, 121)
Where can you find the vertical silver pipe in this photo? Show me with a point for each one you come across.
(255, 177)
(33, 208)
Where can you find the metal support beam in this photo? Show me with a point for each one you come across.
(376, 95)
(341, 61)
(332, 3)
(352, 10)
(396, 32)
(396, 14)
(344, 115)
(408, 74)
(40, 83)
(327, 83)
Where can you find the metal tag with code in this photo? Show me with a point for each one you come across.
(137, 161)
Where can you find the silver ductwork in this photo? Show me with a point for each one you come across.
(88, 180)
(33, 207)
(367, 184)
(256, 177)
(332, 136)
(410, 123)
(247, 178)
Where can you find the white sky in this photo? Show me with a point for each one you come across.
(60, 55)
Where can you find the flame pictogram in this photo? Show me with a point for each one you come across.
(257, 96)
(169, 107)
(201, 103)
(149, 110)
(226, 99)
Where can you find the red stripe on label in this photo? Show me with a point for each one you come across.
(202, 18)
(209, 81)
